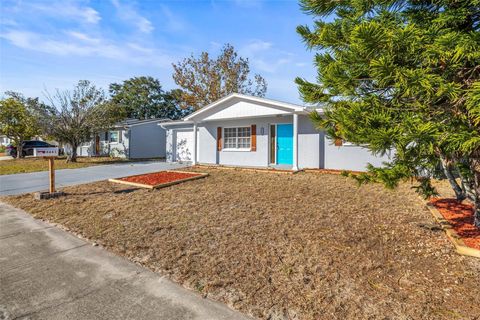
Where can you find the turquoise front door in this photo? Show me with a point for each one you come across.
(285, 144)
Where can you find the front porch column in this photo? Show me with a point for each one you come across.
(295, 141)
(194, 157)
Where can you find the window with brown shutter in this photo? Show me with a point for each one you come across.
(253, 146)
(219, 138)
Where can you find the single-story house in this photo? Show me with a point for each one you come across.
(247, 131)
(132, 139)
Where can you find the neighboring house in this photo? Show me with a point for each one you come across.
(132, 138)
(240, 130)
(5, 141)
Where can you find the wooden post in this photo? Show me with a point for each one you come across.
(51, 169)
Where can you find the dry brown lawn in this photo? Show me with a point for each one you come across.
(31, 164)
(304, 246)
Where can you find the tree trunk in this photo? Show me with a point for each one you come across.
(20, 149)
(467, 187)
(475, 166)
(460, 194)
(72, 157)
(476, 220)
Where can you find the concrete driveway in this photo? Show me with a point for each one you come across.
(47, 273)
(38, 181)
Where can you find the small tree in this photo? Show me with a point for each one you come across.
(19, 119)
(77, 115)
(204, 80)
(144, 98)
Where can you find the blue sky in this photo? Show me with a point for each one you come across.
(46, 45)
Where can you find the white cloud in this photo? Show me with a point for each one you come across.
(38, 42)
(82, 36)
(7, 22)
(270, 66)
(264, 56)
(80, 44)
(173, 21)
(255, 46)
(138, 47)
(67, 9)
(128, 13)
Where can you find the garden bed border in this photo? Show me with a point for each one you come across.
(333, 171)
(261, 170)
(452, 235)
(198, 175)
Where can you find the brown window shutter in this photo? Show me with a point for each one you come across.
(338, 142)
(219, 138)
(253, 146)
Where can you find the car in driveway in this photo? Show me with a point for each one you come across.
(28, 147)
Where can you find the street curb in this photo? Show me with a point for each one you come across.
(452, 235)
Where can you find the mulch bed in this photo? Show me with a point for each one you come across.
(302, 246)
(157, 178)
(460, 216)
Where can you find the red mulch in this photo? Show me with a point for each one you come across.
(157, 178)
(460, 216)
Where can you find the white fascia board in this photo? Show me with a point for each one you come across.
(248, 117)
(147, 122)
(174, 123)
(273, 103)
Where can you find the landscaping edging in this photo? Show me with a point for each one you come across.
(198, 175)
(452, 235)
(332, 171)
(261, 170)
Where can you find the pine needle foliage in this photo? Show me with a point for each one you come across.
(401, 76)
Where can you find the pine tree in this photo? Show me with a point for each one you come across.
(402, 76)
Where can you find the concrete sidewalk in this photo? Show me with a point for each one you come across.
(47, 273)
(38, 181)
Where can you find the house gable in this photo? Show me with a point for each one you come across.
(243, 109)
(237, 106)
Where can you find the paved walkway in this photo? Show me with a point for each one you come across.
(47, 273)
(38, 181)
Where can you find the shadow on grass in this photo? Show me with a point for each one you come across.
(123, 191)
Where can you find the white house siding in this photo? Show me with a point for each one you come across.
(114, 149)
(309, 143)
(173, 152)
(259, 158)
(350, 157)
(118, 149)
(4, 141)
(315, 150)
(146, 141)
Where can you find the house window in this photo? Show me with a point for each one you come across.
(237, 138)
(115, 136)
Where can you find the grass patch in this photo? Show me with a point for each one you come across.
(38, 164)
(303, 246)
